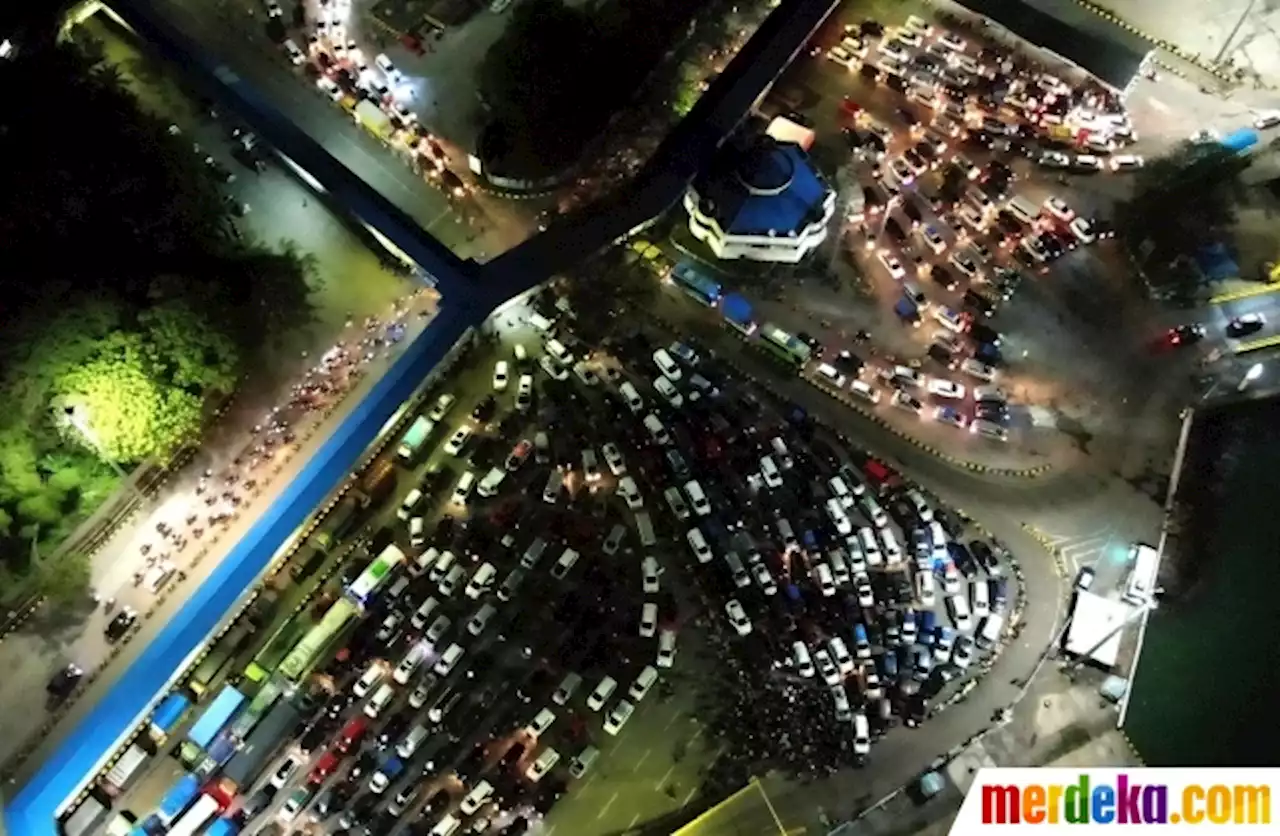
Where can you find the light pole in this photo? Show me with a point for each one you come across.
(78, 418)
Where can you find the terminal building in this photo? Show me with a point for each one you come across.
(761, 200)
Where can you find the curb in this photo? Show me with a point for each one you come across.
(1059, 563)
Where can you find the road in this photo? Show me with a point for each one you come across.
(477, 227)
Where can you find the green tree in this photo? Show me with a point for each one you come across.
(65, 580)
(1181, 202)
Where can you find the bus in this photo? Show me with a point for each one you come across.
(377, 573)
(1142, 579)
(784, 346)
(304, 653)
(200, 814)
(697, 285)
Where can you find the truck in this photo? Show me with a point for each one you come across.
(387, 775)
(336, 525)
(414, 438)
(220, 656)
(370, 116)
(378, 483)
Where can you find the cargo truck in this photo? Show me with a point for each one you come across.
(377, 484)
(336, 525)
(371, 117)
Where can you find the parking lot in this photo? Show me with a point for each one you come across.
(607, 579)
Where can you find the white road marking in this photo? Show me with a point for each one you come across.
(643, 758)
(1159, 105)
(663, 780)
(672, 721)
(633, 821)
(689, 797)
(606, 806)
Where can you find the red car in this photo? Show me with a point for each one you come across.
(324, 767)
(351, 735)
(850, 108)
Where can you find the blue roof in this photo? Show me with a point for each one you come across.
(226, 704)
(766, 187)
(736, 308)
(32, 811)
(170, 711)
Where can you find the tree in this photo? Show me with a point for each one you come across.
(1181, 202)
(65, 580)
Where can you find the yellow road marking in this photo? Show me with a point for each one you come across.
(1261, 290)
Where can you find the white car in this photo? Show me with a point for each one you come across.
(964, 263)
(924, 589)
(1054, 159)
(978, 369)
(866, 595)
(652, 573)
(590, 465)
(953, 41)
(1058, 207)
(441, 407)
(648, 620)
(524, 393)
(906, 402)
(892, 264)
(950, 579)
(385, 64)
(963, 654)
(933, 239)
(666, 648)
(990, 394)
(418, 697)
(1267, 119)
(667, 365)
(613, 458)
(840, 653)
(458, 441)
(1087, 162)
(950, 415)
(1082, 228)
(501, 376)
(903, 376)
(895, 49)
(296, 55)
(738, 617)
(630, 493)
(826, 668)
(941, 388)
(330, 87)
(553, 369)
(1127, 162)
(903, 171)
(669, 392)
(618, 717)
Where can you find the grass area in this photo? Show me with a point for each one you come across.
(1207, 686)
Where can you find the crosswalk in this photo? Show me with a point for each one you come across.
(1080, 550)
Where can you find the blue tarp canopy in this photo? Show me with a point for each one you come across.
(222, 709)
(1240, 140)
(736, 309)
(179, 797)
(1217, 263)
(170, 711)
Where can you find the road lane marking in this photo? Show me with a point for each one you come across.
(643, 758)
(633, 821)
(607, 805)
(663, 780)
(1244, 294)
(673, 720)
(688, 798)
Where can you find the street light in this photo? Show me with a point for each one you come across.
(78, 418)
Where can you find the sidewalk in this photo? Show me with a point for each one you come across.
(34, 654)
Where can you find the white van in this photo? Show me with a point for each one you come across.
(566, 688)
(643, 683)
(874, 512)
(397, 589)
(801, 659)
(415, 738)
(697, 498)
(443, 566)
(557, 350)
(544, 764)
(583, 761)
(1024, 210)
(448, 825)
(423, 562)
(601, 694)
(981, 603)
(479, 621)
(921, 505)
(380, 700)
(417, 532)
(989, 632)
(410, 663)
(861, 734)
(780, 450)
(372, 676)
(567, 559)
(769, 472)
(870, 546)
(423, 614)
(635, 403)
(656, 429)
(840, 491)
(410, 504)
(481, 580)
(736, 569)
(551, 493)
(667, 365)
(491, 482)
(839, 566)
(892, 549)
(865, 391)
(533, 554)
(462, 490)
(449, 660)
(698, 544)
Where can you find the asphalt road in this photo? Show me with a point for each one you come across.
(229, 33)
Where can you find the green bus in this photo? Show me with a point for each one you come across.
(786, 347)
(319, 637)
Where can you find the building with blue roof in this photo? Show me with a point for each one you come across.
(761, 199)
